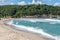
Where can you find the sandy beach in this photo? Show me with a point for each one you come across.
(8, 33)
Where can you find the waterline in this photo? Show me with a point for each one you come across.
(32, 29)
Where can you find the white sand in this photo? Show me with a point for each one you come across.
(7, 33)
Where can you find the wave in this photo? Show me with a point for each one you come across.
(51, 21)
(41, 19)
(31, 29)
(39, 31)
(55, 20)
(9, 22)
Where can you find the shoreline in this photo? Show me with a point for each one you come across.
(14, 27)
(8, 33)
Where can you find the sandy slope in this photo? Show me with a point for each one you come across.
(7, 33)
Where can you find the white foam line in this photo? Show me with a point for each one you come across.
(52, 19)
(43, 20)
(40, 31)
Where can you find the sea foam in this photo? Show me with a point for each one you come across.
(39, 31)
(51, 21)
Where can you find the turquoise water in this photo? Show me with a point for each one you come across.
(50, 26)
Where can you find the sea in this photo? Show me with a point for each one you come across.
(49, 27)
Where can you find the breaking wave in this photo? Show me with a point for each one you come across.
(51, 21)
(35, 30)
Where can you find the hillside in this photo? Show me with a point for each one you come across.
(17, 11)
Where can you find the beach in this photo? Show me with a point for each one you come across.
(7, 33)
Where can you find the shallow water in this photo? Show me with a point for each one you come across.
(44, 26)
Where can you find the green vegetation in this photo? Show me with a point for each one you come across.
(16, 11)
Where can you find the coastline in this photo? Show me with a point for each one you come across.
(40, 35)
(7, 33)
